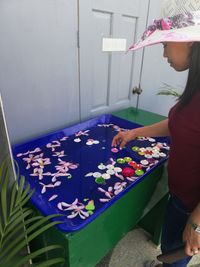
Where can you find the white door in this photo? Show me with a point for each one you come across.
(107, 78)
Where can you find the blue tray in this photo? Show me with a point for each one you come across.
(76, 172)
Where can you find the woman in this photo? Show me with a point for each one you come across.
(179, 33)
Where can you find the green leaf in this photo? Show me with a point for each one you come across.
(26, 212)
(15, 217)
(37, 253)
(169, 90)
(17, 171)
(13, 196)
(23, 225)
(20, 189)
(15, 227)
(2, 169)
(19, 199)
(4, 198)
(12, 249)
(49, 263)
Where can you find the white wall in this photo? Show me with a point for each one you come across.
(38, 65)
(156, 72)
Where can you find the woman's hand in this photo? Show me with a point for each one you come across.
(190, 237)
(122, 138)
(156, 129)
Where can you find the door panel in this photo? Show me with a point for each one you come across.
(106, 78)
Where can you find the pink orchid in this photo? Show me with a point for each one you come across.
(37, 149)
(118, 129)
(52, 197)
(79, 211)
(112, 161)
(132, 179)
(41, 162)
(39, 172)
(105, 125)
(44, 186)
(76, 207)
(65, 166)
(119, 187)
(121, 177)
(108, 194)
(53, 145)
(59, 174)
(64, 138)
(59, 154)
(31, 158)
(82, 133)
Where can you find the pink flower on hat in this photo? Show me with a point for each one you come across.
(166, 25)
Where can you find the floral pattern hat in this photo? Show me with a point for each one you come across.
(180, 23)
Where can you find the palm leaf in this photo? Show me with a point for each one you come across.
(17, 228)
(2, 170)
(9, 253)
(169, 90)
(9, 248)
(4, 198)
(49, 263)
(38, 253)
(13, 197)
(13, 224)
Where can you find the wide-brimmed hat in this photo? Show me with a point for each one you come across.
(180, 22)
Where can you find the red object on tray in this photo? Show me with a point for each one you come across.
(128, 172)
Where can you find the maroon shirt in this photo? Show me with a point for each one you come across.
(184, 157)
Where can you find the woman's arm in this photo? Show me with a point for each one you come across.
(157, 129)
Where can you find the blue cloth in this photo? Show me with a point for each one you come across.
(174, 223)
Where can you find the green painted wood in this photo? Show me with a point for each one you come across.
(139, 116)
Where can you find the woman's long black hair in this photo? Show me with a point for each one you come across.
(193, 81)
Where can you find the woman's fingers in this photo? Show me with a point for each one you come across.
(120, 139)
(123, 143)
(190, 251)
(116, 140)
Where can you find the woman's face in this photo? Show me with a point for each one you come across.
(177, 54)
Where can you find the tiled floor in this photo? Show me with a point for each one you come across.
(133, 250)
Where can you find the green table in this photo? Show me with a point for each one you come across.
(85, 248)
